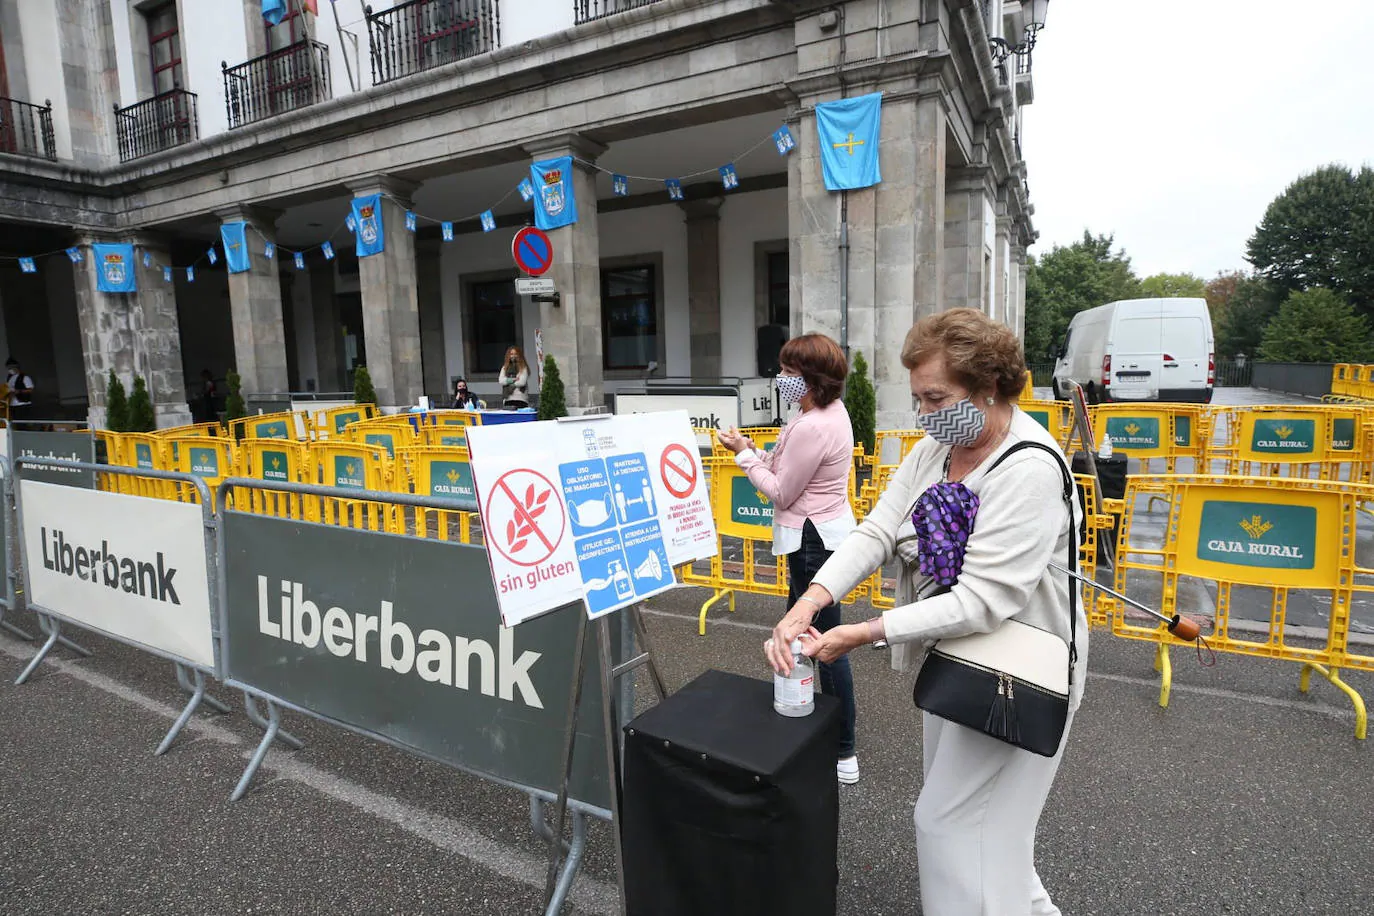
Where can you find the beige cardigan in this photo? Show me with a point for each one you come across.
(1021, 525)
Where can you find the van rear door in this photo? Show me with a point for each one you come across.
(1183, 345)
(1137, 359)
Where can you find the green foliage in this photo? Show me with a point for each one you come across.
(1218, 292)
(1253, 303)
(861, 403)
(553, 402)
(116, 405)
(1320, 233)
(1317, 326)
(1067, 280)
(234, 408)
(363, 392)
(1172, 286)
(142, 419)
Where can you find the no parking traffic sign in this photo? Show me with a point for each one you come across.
(532, 251)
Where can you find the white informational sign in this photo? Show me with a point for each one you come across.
(535, 286)
(130, 567)
(713, 412)
(756, 397)
(598, 508)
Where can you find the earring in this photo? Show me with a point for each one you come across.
(991, 401)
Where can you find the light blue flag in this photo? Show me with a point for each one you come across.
(446, 228)
(328, 250)
(488, 221)
(555, 204)
(526, 190)
(848, 131)
(729, 178)
(300, 260)
(410, 220)
(147, 259)
(166, 275)
(74, 255)
(367, 216)
(620, 185)
(190, 274)
(28, 266)
(273, 11)
(114, 266)
(674, 187)
(782, 139)
(210, 253)
(351, 222)
(234, 236)
(269, 251)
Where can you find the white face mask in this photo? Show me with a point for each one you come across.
(791, 388)
(961, 423)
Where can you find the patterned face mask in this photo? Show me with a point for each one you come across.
(960, 423)
(791, 388)
(943, 518)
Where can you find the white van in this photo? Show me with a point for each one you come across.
(1139, 350)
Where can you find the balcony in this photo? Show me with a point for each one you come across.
(26, 129)
(156, 124)
(589, 10)
(279, 81)
(422, 34)
(1025, 89)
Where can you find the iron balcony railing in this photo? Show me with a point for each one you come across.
(156, 124)
(26, 129)
(422, 34)
(286, 79)
(1023, 63)
(588, 10)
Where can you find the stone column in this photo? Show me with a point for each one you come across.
(1002, 309)
(256, 308)
(1018, 297)
(703, 286)
(966, 239)
(895, 235)
(132, 333)
(429, 292)
(572, 326)
(391, 314)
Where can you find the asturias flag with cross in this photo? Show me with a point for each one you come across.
(848, 131)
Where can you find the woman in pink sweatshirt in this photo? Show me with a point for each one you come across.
(806, 477)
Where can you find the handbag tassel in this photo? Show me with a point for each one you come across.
(1002, 720)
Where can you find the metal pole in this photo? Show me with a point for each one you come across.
(844, 272)
(569, 739)
(1085, 438)
(612, 748)
(343, 52)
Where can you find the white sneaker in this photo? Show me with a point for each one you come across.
(847, 769)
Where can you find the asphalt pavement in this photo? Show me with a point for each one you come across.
(1244, 796)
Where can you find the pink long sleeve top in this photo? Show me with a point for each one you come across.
(806, 476)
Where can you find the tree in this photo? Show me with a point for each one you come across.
(1320, 233)
(862, 404)
(1218, 292)
(142, 418)
(552, 398)
(1317, 326)
(234, 408)
(1172, 286)
(1069, 279)
(116, 405)
(363, 392)
(1251, 307)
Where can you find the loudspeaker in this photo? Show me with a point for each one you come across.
(768, 343)
(729, 808)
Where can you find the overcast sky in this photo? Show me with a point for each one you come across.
(1172, 124)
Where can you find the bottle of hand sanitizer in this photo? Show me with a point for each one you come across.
(795, 694)
(1105, 450)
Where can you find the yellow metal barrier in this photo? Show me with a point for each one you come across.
(213, 430)
(277, 461)
(353, 466)
(1055, 416)
(1329, 442)
(1152, 432)
(1284, 537)
(390, 433)
(439, 471)
(1344, 386)
(210, 458)
(286, 424)
(330, 423)
(453, 418)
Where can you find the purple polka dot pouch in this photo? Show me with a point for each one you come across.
(943, 518)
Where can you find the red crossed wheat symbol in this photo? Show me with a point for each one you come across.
(519, 529)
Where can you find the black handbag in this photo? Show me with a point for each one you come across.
(1011, 684)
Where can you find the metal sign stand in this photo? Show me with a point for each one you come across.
(557, 886)
(1084, 431)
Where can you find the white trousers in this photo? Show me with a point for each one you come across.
(975, 823)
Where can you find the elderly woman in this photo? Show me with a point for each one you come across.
(981, 800)
(806, 477)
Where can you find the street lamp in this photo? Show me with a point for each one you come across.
(1002, 49)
